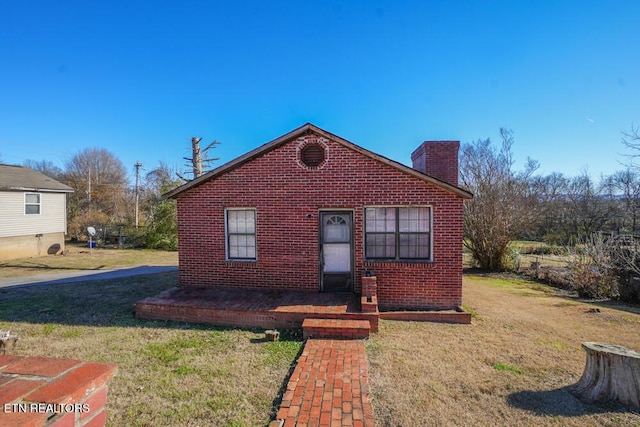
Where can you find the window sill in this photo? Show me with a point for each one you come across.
(399, 261)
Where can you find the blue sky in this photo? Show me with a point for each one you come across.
(140, 78)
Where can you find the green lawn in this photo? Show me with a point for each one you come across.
(79, 257)
(170, 374)
(514, 365)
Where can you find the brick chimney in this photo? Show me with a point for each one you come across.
(438, 159)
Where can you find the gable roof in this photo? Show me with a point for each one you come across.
(302, 130)
(20, 178)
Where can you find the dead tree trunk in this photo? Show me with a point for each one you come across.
(611, 372)
(197, 157)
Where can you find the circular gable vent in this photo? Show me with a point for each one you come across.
(312, 155)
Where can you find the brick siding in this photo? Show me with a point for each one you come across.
(438, 159)
(287, 197)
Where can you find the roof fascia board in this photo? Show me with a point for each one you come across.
(424, 177)
(37, 189)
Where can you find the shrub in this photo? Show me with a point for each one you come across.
(593, 270)
(548, 250)
(511, 259)
(626, 252)
(592, 281)
(629, 288)
(162, 230)
(78, 224)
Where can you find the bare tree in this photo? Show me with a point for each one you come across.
(626, 249)
(200, 157)
(100, 182)
(588, 208)
(627, 184)
(46, 167)
(631, 139)
(550, 191)
(593, 270)
(503, 201)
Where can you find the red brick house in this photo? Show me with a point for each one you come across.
(311, 211)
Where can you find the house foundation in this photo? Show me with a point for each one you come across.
(33, 245)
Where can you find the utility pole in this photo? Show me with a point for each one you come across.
(138, 165)
(89, 185)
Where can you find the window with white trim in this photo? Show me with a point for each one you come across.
(241, 234)
(32, 203)
(398, 233)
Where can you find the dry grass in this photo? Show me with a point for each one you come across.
(79, 257)
(514, 365)
(170, 374)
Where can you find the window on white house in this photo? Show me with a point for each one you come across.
(32, 203)
(241, 234)
(397, 233)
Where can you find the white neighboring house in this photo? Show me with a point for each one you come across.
(33, 213)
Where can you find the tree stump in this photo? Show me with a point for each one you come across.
(272, 335)
(5, 336)
(611, 372)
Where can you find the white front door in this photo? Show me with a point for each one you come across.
(336, 254)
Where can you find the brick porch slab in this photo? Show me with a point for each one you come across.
(328, 387)
(251, 308)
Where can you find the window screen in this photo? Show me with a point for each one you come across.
(398, 233)
(241, 234)
(32, 203)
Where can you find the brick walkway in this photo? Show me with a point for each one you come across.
(328, 386)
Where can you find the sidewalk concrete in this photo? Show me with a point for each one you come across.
(83, 276)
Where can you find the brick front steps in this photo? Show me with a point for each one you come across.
(336, 328)
(42, 391)
(328, 387)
